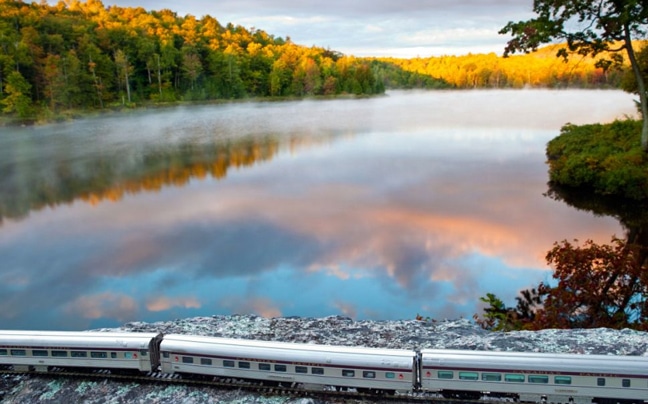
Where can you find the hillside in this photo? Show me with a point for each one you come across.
(539, 69)
(85, 55)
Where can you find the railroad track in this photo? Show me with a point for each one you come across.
(251, 386)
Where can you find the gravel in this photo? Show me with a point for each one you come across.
(334, 330)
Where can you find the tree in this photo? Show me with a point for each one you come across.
(124, 70)
(598, 286)
(601, 26)
(17, 98)
(499, 317)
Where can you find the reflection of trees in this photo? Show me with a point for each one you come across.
(595, 285)
(94, 177)
(632, 213)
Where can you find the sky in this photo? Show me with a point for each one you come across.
(406, 29)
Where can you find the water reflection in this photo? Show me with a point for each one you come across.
(378, 208)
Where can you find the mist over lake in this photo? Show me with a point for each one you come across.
(379, 208)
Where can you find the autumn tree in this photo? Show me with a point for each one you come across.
(596, 285)
(82, 54)
(588, 27)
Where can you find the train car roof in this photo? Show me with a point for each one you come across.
(536, 362)
(171, 338)
(296, 352)
(510, 354)
(81, 340)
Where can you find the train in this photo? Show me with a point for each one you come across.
(455, 374)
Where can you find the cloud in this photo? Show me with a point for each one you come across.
(162, 303)
(104, 305)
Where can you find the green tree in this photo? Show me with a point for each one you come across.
(54, 81)
(603, 26)
(124, 71)
(191, 66)
(17, 98)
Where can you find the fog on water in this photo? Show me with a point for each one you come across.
(418, 202)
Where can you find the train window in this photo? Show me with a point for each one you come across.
(445, 374)
(128, 355)
(205, 361)
(265, 366)
(39, 352)
(60, 354)
(390, 375)
(228, 364)
(187, 359)
(468, 376)
(538, 379)
(600, 381)
(491, 377)
(514, 378)
(165, 355)
(3, 352)
(98, 354)
(244, 365)
(625, 382)
(19, 352)
(114, 355)
(369, 374)
(79, 354)
(348, 373)
(301, 369)
(280, 368)
(317, 371)
(562, 380)
(143, 352)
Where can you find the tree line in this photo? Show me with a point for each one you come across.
(85, 55)
(537, 69)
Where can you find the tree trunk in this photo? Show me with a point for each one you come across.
(159, 75)
(127, 82)
(641, 85)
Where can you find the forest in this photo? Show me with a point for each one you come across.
(85, 55)
(76, 56)
(538, 69)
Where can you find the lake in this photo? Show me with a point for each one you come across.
(419, 202)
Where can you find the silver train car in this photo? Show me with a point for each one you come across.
(535, 377)
(459, 374)
(370, 369)
(40, 350)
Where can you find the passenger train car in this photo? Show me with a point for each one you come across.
(535, 377)
(38, 350)
(525, 377)
(313, 365)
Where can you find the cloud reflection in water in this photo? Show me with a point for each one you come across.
(293, 209)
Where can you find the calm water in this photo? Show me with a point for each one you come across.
(418, 202)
